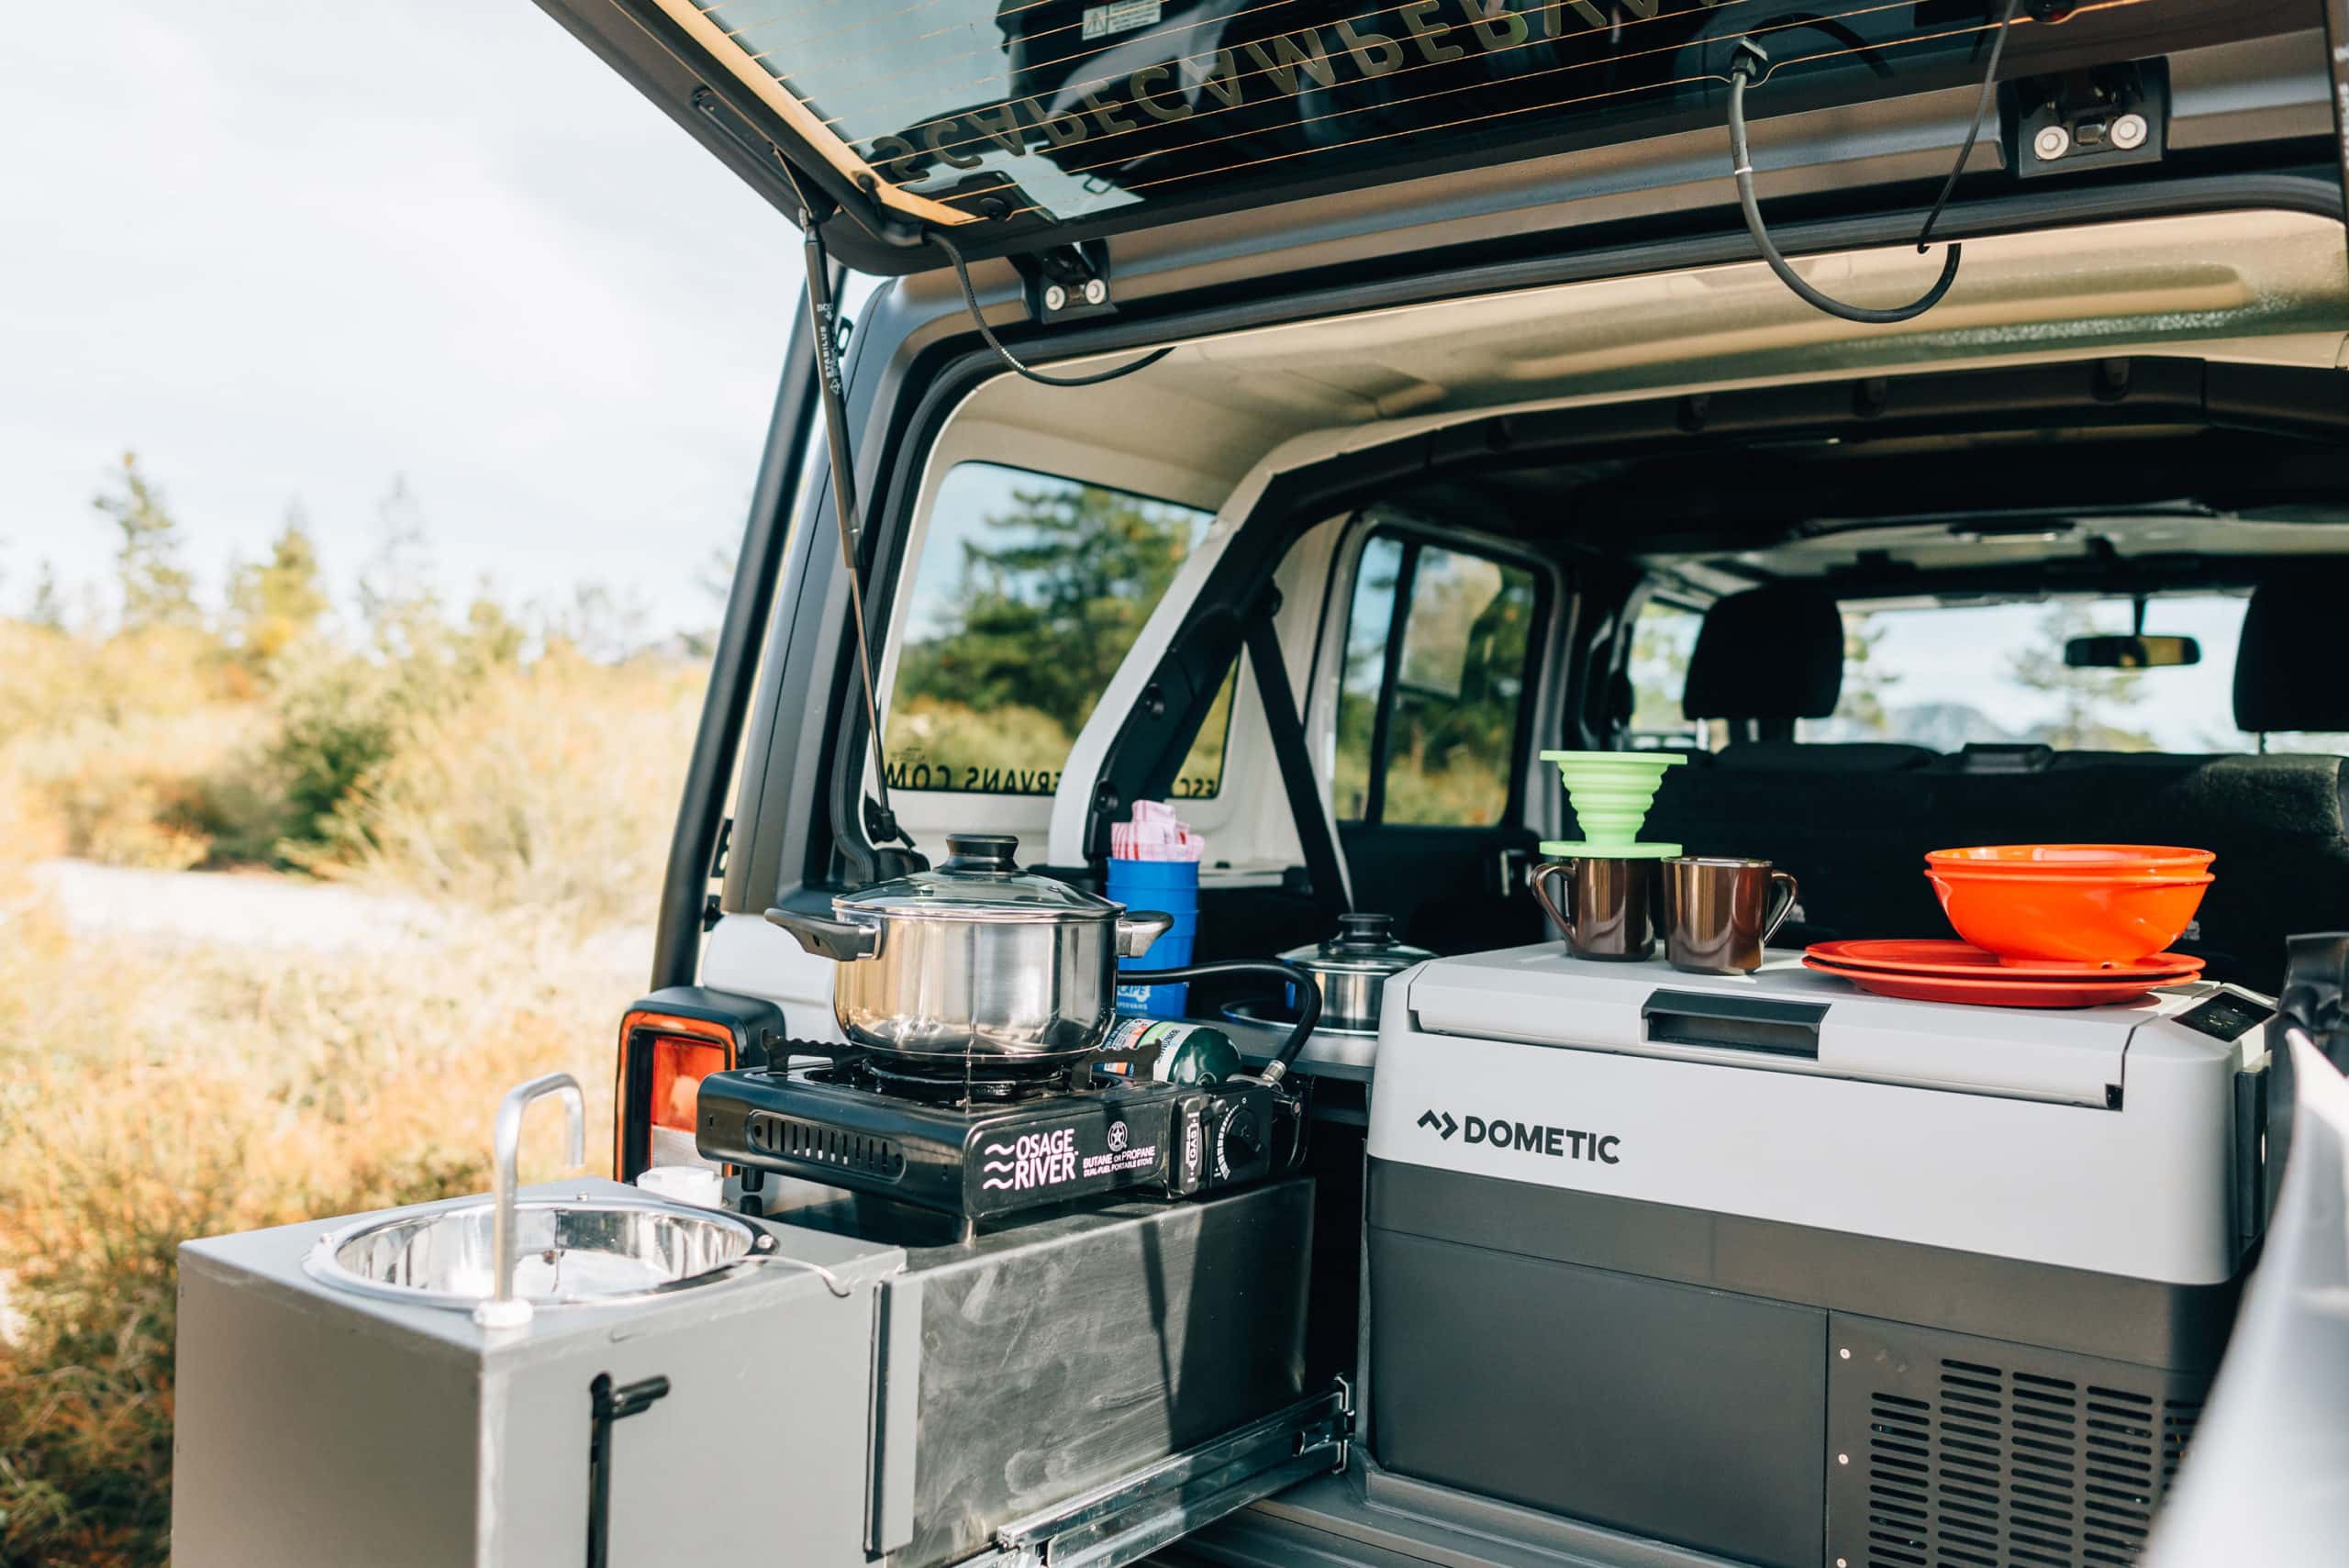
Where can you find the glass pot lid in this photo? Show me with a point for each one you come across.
(979, 880)
(1364, 944)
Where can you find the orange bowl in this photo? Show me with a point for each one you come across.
(2083, 917)
(2071, 860)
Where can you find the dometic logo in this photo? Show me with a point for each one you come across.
(1526, 1137)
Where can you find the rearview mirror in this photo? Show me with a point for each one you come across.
(2131, 652)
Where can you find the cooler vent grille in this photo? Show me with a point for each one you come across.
(812, 1143)
(2012, 1469)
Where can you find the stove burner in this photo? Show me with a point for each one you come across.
(991, 1081)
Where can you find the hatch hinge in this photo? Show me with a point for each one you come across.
(1067, 282)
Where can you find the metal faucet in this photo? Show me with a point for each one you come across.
(504, 1309)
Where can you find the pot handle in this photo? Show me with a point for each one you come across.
(1139, 928)
(846, 940)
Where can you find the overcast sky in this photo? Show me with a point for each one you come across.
(292, 252)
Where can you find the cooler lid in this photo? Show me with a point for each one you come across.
(1788, 1019)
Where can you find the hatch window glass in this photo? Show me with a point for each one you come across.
(1432, 685)
(1008, 114)
(1950, 676)
(1029, 592)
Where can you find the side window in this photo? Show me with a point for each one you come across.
(1434, 681)
(1029, 593)
(1663, 640)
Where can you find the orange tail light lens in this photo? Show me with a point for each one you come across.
(662, 1060)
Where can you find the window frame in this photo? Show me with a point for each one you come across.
(1675, 595)
(1417, 538)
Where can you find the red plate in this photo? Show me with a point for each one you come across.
(1988, 993)
(1964, 960)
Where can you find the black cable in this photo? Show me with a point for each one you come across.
(1740, 74)
(1308, 999)
(971, 298)
(1752, 63)
(1973, 131)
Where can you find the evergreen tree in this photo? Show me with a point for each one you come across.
(2089, 703)
(398, 602)
(1866, 681)
(280, 602)
(48, 608)
(1043, 618)
(156, 589)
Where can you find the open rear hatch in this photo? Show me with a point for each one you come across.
(1019, 126)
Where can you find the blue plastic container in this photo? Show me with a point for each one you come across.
(1172, 886)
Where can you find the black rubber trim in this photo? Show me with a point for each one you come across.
(1298, 781)
(701, 809)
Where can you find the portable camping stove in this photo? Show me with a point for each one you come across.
(985, 1141)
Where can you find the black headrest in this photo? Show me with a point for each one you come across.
(1846, 757)
(2287, 672)
(1774, 652)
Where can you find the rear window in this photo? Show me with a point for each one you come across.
(1994, 674)
(1029, 593)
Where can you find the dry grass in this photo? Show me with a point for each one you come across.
(550, 786)
(106, 745)
(152, 1091)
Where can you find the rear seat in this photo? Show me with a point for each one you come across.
(1846, 820)
(1854, 822)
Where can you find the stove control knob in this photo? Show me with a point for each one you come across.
(1239, 1142)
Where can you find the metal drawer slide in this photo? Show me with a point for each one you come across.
(1128, 1520)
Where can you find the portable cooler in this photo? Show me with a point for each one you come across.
(1768, 1268)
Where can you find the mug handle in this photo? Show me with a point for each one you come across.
(1540, 876)
(1779, 881)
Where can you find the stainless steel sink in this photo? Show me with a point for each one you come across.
(566, 1251)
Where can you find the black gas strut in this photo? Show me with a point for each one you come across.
(823, 320)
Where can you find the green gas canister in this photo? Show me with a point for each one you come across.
(1170, 1052)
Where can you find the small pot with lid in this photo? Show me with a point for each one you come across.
(1351, 969)
(976, 959)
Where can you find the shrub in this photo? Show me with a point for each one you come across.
(227, 1089)
(106, 746)
(551, 784)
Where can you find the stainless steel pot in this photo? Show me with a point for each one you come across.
(976, 959)
(1351, 969)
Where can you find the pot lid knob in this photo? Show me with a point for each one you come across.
(1362, 929)
(981, 852)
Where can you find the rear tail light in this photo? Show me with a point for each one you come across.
(662, 1058)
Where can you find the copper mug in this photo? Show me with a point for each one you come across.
(1719, 911)
(1605, 910)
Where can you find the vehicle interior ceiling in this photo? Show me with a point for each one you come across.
(2183, 434)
